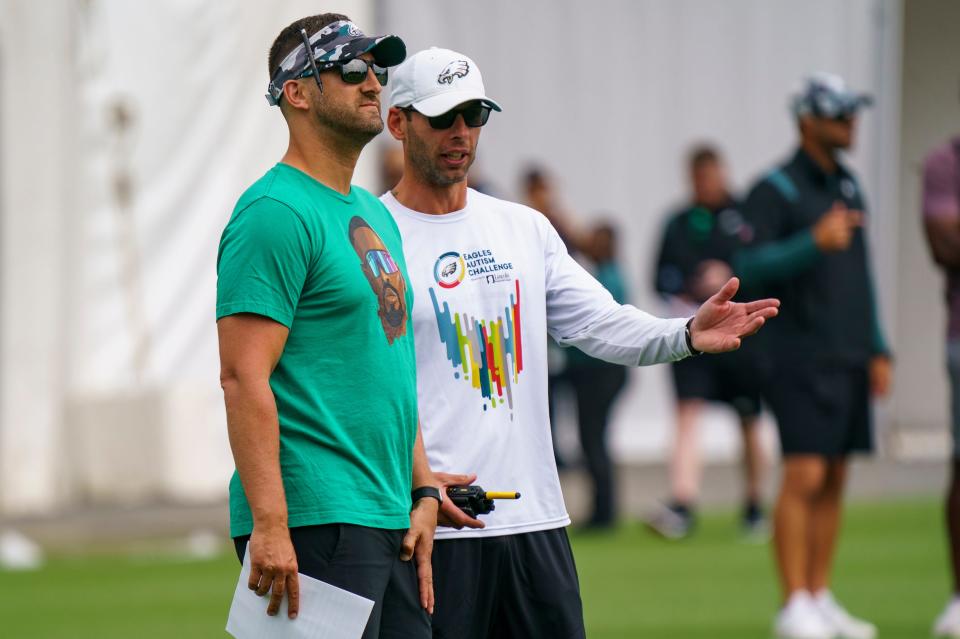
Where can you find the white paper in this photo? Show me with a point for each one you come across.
(326, 612)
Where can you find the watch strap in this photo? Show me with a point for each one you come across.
(426, 491)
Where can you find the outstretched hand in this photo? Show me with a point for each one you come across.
(720, 323)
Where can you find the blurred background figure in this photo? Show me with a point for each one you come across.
(826, 350)
(694, 262)
(539, 192)
(597, 384)
(391, 166)
(941, 220)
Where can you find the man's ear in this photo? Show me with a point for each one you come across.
(295, 94)
(397, 123)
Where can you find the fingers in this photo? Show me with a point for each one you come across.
(276, 594)
(255, 576)
(408, 545)
(756, 305)
(453, 517)
(726, 293)
(855, 219)
(425, 577)
(753, 326)
(293, 595)
(450, 479)
(266, 580)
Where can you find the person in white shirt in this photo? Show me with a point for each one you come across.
(491, 279)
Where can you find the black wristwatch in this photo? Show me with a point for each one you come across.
(689, 338)
(426, 491)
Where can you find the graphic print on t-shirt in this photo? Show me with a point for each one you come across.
(486, 353)
(384, 277)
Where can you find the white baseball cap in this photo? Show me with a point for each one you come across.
(436, 80)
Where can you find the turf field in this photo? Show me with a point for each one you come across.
(891, 569)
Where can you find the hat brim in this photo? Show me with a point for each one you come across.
(388, 51)
(443, 102)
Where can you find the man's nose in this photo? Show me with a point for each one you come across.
(370, 83)
(459, 127)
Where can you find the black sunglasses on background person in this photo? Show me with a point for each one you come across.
(474, 115)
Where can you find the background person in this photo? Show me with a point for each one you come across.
(941, 221)
(597, 384)
(698, 244)
(826, 355)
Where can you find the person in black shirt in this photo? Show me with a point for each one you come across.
(699, 242)
(826, 353)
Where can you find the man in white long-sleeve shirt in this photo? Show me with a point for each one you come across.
(491, 279)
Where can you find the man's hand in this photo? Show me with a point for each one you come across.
(273, 568)
(720, 323)
(418, 542)
(449, 514)
(881, 375)
(834, 230)
(709, 277)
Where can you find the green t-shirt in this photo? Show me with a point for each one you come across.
(330, 268)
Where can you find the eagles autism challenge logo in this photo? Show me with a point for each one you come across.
(449, 270)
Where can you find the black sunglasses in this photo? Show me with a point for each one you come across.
(352, 72)
(474, 116)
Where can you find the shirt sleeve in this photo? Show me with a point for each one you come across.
(777, 252)
(941, 184)
(581, 313)
(263, 262)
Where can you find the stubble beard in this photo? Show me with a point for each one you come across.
(348, 121)
(426, 168)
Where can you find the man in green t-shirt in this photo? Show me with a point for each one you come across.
(317, 352)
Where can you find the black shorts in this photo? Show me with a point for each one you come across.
(366, 562)
(731, 378)
(521, 586)
(821, 410)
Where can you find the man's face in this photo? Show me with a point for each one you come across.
(832, 133)
(709, 183)
(352, 109)
(441, 157)
(385, 279)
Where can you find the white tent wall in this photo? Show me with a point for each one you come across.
(128, 131)
(38, 149)
(931, 113)
(121, 158)
(610, 94)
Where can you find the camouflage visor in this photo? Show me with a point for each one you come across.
(336, 43)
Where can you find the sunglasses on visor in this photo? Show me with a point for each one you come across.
(380, 261)
(351, 72)
(474, 116)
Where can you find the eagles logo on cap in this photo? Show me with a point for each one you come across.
(454, 70)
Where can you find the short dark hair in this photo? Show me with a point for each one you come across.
(703, 154)
(534, 176)
(290, 37)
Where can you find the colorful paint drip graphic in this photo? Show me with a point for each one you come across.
(486, 353)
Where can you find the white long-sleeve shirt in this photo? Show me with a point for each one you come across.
(490, 282)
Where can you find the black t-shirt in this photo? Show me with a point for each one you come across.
(827, 310)
(694, 235)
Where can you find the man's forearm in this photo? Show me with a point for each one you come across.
(254, 432)
(630, 337)
(422, 475)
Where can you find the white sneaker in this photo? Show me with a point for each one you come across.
(948, 623)
(800, 619)
(845, 625)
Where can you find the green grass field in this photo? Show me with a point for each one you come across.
(891, 569)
